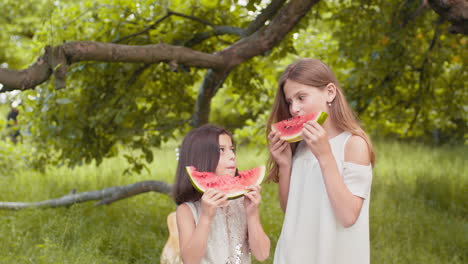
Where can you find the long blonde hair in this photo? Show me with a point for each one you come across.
(315, 73)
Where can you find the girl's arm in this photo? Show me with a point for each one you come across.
(258, 241)
(281, 152)
(346, 205)
(283, 185)
(193, 239)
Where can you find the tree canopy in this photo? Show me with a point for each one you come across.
(105, 74)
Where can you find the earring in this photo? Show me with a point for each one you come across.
(329, 104)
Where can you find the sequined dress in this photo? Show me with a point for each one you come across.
(228, 238)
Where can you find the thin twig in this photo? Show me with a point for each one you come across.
(146, 29)
(192, 18)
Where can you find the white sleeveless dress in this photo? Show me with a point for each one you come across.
(228, 239)
(311, 234)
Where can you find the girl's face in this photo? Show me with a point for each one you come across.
(227, 157)
(303, 99)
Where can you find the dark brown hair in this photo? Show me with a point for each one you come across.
(314, 73)
(200, 148)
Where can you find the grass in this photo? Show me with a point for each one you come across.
(419, 205)
(418, 210)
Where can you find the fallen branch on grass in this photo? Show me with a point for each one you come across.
(105, 196)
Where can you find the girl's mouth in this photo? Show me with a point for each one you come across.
(231, 170)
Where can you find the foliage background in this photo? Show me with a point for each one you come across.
(403, 74)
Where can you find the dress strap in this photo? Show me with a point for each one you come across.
(346, 136)
(194, 210)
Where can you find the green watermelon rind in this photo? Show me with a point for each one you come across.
(231, 196)
(321, 117)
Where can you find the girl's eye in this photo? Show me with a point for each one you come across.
(223, 150)
(301, 98)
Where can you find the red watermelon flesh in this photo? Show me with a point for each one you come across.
(291, 128)
(233, 186)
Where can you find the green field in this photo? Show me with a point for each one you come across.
(419, 210)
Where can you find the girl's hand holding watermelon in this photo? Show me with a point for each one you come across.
(252, 200)
(280, 149)
(317, 139)
(210, 200)
(258, 241)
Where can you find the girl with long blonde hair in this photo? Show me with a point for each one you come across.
(325, 179)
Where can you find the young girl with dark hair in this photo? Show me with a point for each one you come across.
(211, 228)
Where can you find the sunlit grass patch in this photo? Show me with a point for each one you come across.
(418, 210)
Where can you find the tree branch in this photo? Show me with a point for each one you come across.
(146, 29)
(72, 52)
(217, 31)
(264, 16)
(199, 37)
(205, 22)
(86, 11)
(269, 36)
(455, 11)
(169, 13)
(257, 43)
(28, 78)
(106, 196)
(423, 84)
(212, 81)
(220, 63)
(422, 7)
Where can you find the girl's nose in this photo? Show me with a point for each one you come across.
(232, 155)
(295, 109)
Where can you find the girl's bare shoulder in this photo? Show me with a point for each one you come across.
(183, 211)
(357, 151)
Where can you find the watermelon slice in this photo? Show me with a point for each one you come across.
(291, 128)
(233, 186)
